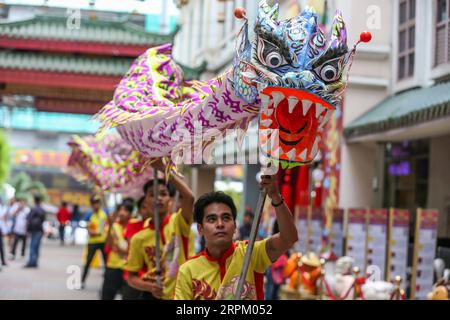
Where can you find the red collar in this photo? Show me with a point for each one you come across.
(224, 257)
(163, 224)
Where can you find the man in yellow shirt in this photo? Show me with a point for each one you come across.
(174, 235)
(96, 225)
(214, 273)
(113, 281)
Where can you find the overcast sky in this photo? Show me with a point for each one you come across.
(143, 7)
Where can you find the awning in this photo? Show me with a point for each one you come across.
(410, 108)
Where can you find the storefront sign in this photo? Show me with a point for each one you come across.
(397, 248)
(424, 253)
(357, 236)
(376, 239)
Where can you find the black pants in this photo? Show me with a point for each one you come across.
(112, 283)
(2, 251)
(17, 238)
(92, 249)
(130, 293)
(62, 228)
(147, 296)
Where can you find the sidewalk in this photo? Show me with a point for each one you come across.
(50, 280)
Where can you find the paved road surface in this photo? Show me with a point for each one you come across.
(50, 280)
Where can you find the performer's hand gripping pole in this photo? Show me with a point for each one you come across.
(157, 224)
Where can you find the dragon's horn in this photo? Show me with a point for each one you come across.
(338, 31)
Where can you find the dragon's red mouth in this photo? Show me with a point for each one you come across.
(291, 123)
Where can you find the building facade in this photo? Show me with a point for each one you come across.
(58, 67)
(396, 149)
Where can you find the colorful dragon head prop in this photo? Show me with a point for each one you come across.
(299, 75)
(109, 163)
(291, 77)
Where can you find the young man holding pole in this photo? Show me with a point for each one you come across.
(174, 233)
(214, 273)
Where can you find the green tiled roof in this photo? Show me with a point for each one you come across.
(43, 27)
(65, 63)
(404, 109)
(30, 119)
(116, 66)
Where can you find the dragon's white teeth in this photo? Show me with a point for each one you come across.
(315, 147)
(274, 139)
(306, 104)
(325, 119)
(266, 122)
(264, 132)
(277, 98)
(291, 154)
(319, 109)
(268, 112)
(292, 103)
(265, 100)
(303, 154)
(264, 145)
(277, 152)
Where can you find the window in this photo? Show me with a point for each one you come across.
(406, 38)
(442, 54)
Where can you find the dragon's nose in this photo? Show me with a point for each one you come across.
(301, 80)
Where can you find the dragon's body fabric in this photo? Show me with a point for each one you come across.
(109, 163)
(291, 76)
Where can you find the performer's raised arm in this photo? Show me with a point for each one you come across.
(186, 194)
(280, 242)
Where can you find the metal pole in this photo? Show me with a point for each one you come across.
(251, 242)
(156, 221)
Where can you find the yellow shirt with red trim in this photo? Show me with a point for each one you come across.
(116, 260)
(174, 249)
(206, 278)
(98, 224)
(191, 244)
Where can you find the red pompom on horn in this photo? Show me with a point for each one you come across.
(365, 36)
(240, 13)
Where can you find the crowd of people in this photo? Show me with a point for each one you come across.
(201, 246)
(18, 224)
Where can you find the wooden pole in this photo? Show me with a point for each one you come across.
(251, 243)
(157, 223)
(389, 244)
(366, 247)
(415, 253)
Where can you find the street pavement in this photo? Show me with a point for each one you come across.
(57, 278)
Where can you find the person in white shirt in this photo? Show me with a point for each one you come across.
(20, 214)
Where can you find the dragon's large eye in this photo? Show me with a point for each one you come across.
(269, 54)
(274, 60)
(329, 71)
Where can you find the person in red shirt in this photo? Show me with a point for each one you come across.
(63, 217)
